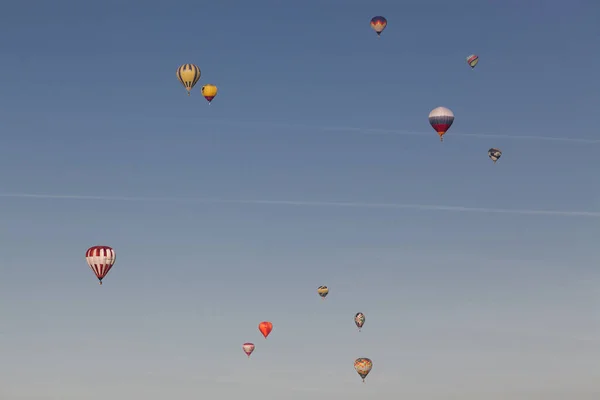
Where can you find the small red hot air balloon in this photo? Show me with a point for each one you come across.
(248, 348)
(265, 328)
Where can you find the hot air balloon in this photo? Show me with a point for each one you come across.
(323, 291)
(363, 367)
(359, 320)
(100, 259)
(441, 120)
(248, 348)
(209, 92)
(265, 328)
(494, 154)
(378, 24)
(472, 60)
(188, 75)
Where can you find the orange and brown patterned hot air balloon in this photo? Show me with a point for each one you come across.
(363, 366)
(265, 328)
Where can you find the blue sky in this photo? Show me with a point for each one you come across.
(229, 214)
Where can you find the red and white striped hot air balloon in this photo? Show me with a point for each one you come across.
(441, 120)
(100, 259)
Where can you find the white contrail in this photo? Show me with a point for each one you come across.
(425, 134)
(486, 135)
(430, 207)
(404, 132)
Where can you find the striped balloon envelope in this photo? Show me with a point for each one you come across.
(472, 60)
(441, 119)
(100, 259)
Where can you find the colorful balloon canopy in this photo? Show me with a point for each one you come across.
(323, 291)
(188, 75)
(378, 24)
(100, 259)
(472, 60)
(359, 320)
(494, 154)
(248, 348)
(265, 328)
(209, 92)
(363, 366)
(441, 119)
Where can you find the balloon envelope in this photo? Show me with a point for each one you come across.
(265, 328)
(378, 24)
(359, 320)
(472, 60)
(188, 75)
(323, 291)
(209, 92)
(363, 366)
(494, 154)
(248, 348)
(441, 119)
(100, 259)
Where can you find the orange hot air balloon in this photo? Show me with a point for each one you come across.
(265, 328)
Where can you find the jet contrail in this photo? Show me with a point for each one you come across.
(484, 135)
(378, 130)
(405, 132)
(303, 203)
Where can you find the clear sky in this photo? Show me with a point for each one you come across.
(228, 214)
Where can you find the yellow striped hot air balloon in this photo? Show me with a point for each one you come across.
(323, 291)
(188, 75)
(209, 92)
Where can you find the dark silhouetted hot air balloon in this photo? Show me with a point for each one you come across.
(441, 120)
(265, 328)
(378, 24)
(100, 259)
(323, 291)
(188, 75)
(494, 154)
(248, 348)
(363, 366)
(472, 60)
(359, 320)
(209, 92)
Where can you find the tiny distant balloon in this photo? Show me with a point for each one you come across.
(323, 291)
(209, 92)
(363, 366)
(188, 75)
(265, 328)
(248, 348)
(494, 154)
(378, 24)
(100, 259)
(472, 60)
(359, 320)
(441, 119)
